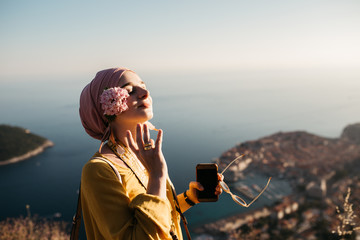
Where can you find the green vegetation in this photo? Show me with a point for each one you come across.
(16, 141)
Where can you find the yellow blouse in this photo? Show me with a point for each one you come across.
(112, 210)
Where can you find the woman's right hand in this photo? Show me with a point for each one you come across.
(152, 157)
(149, 153)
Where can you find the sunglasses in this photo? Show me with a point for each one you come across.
(236, 198)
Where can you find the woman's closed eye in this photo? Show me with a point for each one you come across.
(133, 90)
(130, 90)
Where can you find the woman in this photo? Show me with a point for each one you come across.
(115, 107)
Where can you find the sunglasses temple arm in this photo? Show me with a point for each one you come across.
(232, 163)
(259, 193)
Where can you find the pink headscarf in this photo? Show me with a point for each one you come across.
(91, 114)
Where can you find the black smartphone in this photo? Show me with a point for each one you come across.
(206, 174)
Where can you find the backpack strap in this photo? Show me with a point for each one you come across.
(77, 217)
(112, 166)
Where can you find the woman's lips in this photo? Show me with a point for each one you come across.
(145, 105)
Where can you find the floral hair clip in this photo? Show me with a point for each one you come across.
(113, 102)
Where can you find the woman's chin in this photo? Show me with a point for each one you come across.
(150, 117)
(147, 116)
(149, 113)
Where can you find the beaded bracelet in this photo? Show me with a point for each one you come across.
(191, 203)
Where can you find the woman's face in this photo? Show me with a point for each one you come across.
(139, 100)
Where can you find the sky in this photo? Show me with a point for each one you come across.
(77, 37)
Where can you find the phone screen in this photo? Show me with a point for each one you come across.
(206, 174)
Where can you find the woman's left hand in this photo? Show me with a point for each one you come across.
(194, 186)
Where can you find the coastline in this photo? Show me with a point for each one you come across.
(29, 154)
(314, 166)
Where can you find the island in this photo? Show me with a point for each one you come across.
(324, 177)
(17, 144)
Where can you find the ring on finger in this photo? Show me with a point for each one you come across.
(147, 146)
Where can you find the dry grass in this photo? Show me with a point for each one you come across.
(32, 228)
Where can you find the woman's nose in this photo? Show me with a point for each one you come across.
(143, 93)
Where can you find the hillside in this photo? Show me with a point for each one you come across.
(320, 171)
(17, 144)
(289, 154)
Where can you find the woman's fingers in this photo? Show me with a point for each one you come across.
(143, 139)
(146, 134)
(146, 151)
(196, 185)
(192, 194)
(130, 141)
(218, 189)
(158, 143)
(220, 177)
(139, 136)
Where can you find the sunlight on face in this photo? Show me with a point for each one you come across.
(139, 100)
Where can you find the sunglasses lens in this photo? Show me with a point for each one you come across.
(238, 200)
(224, 186)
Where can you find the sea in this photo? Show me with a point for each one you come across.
(202, 113)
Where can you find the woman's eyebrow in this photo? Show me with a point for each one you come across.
(126, 84)
(130, 83)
